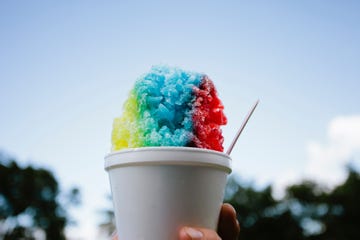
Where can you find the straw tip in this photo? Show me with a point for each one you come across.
(242, 128)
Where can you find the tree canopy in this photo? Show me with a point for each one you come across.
(308, 211)
(30, 203)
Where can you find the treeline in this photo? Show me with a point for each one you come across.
(31, 205)
(308, 211)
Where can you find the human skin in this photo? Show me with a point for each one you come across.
(228, 228)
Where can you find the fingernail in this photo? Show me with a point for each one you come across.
(193, 233)
(232, 209)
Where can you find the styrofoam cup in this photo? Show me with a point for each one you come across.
(158, 190)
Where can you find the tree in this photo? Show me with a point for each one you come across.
(260, 215)
(336, 212)
(308, 211)
(29, 202)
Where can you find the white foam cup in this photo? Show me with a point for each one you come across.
(158, 190)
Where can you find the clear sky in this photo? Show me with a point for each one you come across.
(66, 68)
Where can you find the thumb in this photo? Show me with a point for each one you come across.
(188, 233)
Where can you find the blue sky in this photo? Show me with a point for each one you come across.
(66, 68)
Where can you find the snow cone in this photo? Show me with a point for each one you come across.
(167, 169)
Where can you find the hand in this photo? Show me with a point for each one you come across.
(228, 228)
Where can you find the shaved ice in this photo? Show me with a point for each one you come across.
(169, 106)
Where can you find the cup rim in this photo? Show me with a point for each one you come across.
(165, 155)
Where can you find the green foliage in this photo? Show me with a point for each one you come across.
(342, 218)
(308, 211)
(29, 202)
(260, 215)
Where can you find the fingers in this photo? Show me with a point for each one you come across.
(228, 227)
(114, 236)
(187, 233)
